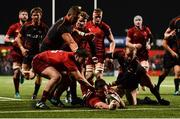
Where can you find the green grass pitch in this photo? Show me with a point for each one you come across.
(23, 108)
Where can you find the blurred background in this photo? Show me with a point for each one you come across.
(118, 14)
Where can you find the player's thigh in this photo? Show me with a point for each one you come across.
(51, 72)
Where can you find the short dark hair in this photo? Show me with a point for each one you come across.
(100, 83)
(74, 10)
(82, 53)
(23, 10)
(84, 15)
(36, 9)
(98, 10)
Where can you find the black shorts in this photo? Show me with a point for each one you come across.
(169, 61)
(28, 59)
(128, 80)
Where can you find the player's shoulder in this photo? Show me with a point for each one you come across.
(43, 24)
(17, 24)
(131, 29)
(27, 24)
(89, 23)
(105, 24)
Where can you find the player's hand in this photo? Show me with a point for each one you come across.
(174, 54)
(29, 75)
(24, 51)
(170, 34)
(137, 46)
(148, 46)
(89, 34)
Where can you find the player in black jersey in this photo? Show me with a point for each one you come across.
(171, 44)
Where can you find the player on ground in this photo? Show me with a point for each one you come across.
(103, 97)
(133, 74)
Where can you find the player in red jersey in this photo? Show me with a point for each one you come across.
(139, 37)
(16, 52)
(51, 64)
(171, 44)
(100, 30)
(29, 40)
(103, 97)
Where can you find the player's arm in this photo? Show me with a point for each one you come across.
(101, 105)
(169, 33)
(20, 44)
(70, 41)
(9, 33)
(149, 43)
(7, 38)
(112, 45)
(166, 47)
(131, 45)
(78, 76)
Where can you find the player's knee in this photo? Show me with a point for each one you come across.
(56, 77)
(16, 73)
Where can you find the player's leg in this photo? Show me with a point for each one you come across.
(168, 64)
(73, 91)
(38, 82)
(162, 76)
(146, 81)
(177, 79)
(59, 89)
(16, 77)
(54, 77)
(131, 96)
(145, 64)
(99, 69)
(89, 73)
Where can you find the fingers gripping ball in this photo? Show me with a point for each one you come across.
(113, 105)
(110, 97)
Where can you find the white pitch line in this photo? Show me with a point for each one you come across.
(167, 85)
(92, 110)
(6, 98)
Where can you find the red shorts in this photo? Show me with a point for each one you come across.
(101, 59)
(39, 65)
(16, 55)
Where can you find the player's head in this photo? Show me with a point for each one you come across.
(23, 15)
(138, 20)
(81, 55)
(36, 14)
(100, 87)
(82, 19)
(73, 13)
(97, 16)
